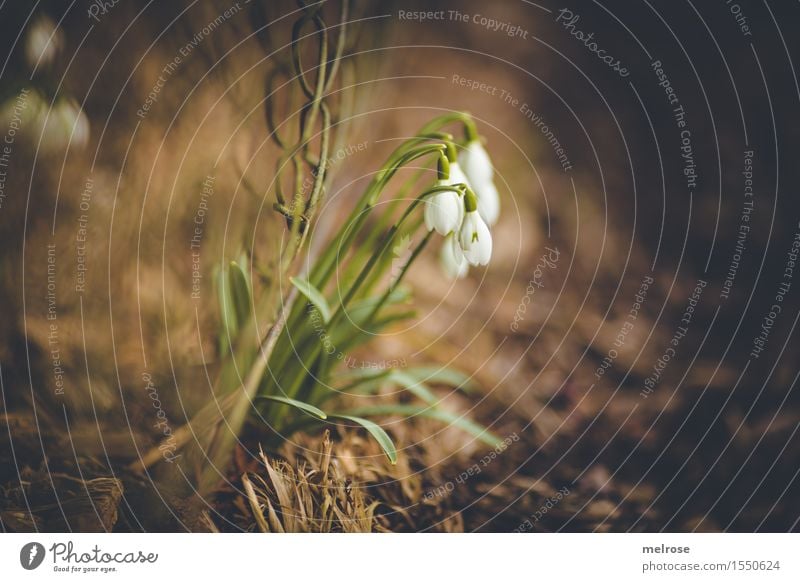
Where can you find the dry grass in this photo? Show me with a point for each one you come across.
(346, 486)
(308, 498)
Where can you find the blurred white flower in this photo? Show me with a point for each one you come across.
(452, 259)
(52, 129)
(17, 111)
(476, 162)
(488, 202)
(475, 239)
(65, 127)
(444, 211)
(42, 42)
(480, 173)
(457, 175)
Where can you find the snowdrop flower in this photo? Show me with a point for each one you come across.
(480, 173)
(476, 162)
(488, 202)
(59, 127)
(66, 126)
(452, 259)
(457, 175)
(43, 42)
(444, 211)
(474, 237)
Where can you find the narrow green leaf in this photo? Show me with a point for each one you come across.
(442, 375)
(359, 310)
(358, 381)
(384, 440)
(304, 406)
(346, 340)
(314, 295)
(354, 375)
(378, 324)
(226, 309)
(240, 293)
(471, 427)
(478, 431)
(368, 381)
(417, 388)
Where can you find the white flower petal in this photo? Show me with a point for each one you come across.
(443, 212)
(457, 176)
(488, 202)
(42, 42)
(452, 259)
(477, 166)
(429, 210)
(476, 163)
(65, 126)
(475, 240)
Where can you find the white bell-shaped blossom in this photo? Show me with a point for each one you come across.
(51, 129)
(42, 42)
(457, 175)
(476, 163)
(477, 167)
(475, 239)
(444, 211)
(65, 126)
(452, 259)
(488, 202)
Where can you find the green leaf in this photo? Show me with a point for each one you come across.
(304, 406)
(358, 381)
(384, 440)
(346, 339)
(417, 388)
(358, 311)
(358, 375)
(227, 310)
(239, 292)
(442, 375)
(471, 427)
(378, 324)
(314, 295)
(366, 381)
(478, 431)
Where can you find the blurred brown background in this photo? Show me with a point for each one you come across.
(712, 447)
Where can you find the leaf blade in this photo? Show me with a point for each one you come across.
(380, 435)
(477, 430)
(416, 387)
(226, 308)
(240, 292)
(443, 375)
(299, 404)
(314, 295)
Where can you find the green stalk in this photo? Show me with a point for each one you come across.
(315, 396)
(470, 130)
(375, 278)
(384, 219)
(326, 263)
(297, 377)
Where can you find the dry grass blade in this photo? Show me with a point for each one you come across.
(254, 505)
(308, 498)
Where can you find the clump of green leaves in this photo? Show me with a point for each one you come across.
(282, 353)
(305, 381)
